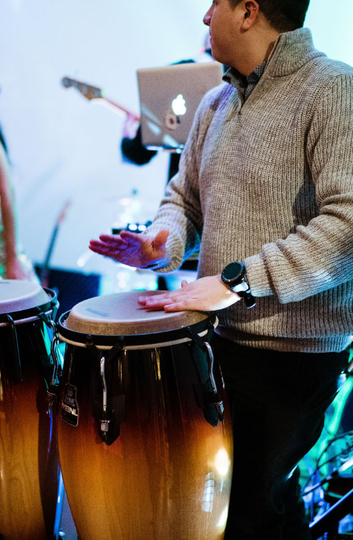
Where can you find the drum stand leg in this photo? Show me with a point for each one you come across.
(59, 509)
(328, 522)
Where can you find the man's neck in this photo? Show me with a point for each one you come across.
(257, 52)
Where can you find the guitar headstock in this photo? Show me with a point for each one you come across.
(87, 90)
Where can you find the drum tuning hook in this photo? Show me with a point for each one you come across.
(104, 422)
(218, 403)
(211, 365)
(57, 359)
(53, 387)
(214, 396)
(46, 319)
(109, 411)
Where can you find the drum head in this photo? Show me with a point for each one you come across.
(120, 314)
(20, 295)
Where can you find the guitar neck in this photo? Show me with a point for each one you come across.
(91, 92)
(121, 108)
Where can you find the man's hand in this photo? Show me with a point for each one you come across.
(133, 249)
(205, 294)
(130, 126)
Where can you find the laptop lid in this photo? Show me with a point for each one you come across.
(169, 97)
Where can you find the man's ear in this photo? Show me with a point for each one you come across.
(251, 11)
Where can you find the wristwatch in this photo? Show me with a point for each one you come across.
(234, 276)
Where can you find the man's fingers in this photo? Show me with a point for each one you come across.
(176, 306)
(111, 240)
(127, 238)
(131, 235)
(173, 301)
(97, 247)
(155, 301)
(146, 301)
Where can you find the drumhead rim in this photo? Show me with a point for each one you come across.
(28, 315)
(132, 341)
(121, 314)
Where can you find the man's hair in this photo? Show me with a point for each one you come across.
(282, 15)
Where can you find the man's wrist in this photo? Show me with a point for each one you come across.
(234, 276)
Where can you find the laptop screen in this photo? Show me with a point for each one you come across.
(169, 97)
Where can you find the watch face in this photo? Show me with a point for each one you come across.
(232, 271)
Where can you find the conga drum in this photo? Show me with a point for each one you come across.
(29, 460)
(145, 438)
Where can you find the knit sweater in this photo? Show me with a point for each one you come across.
(270, 182)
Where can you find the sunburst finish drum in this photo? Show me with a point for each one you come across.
(145, 443)
(29, 462)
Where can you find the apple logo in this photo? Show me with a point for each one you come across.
(178, 105)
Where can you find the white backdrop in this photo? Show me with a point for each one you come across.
(63, 147)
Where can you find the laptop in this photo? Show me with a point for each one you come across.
(169, 97)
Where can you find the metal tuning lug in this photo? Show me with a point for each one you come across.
(57, 361)
(216, 398)
(105, 420)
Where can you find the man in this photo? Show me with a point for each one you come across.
(265, 180)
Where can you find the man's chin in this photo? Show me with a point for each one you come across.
(217, 55)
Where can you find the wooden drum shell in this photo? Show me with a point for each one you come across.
(29, 461)
(168, 473)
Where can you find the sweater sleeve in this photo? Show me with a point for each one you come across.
(319, 256)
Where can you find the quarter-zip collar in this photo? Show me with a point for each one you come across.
(248, 84)
(291, 51)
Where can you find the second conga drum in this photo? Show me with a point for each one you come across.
(145, 444)
(29, 460)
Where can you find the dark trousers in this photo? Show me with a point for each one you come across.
(278, 402)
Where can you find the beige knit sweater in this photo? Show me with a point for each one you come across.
(270, 182)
